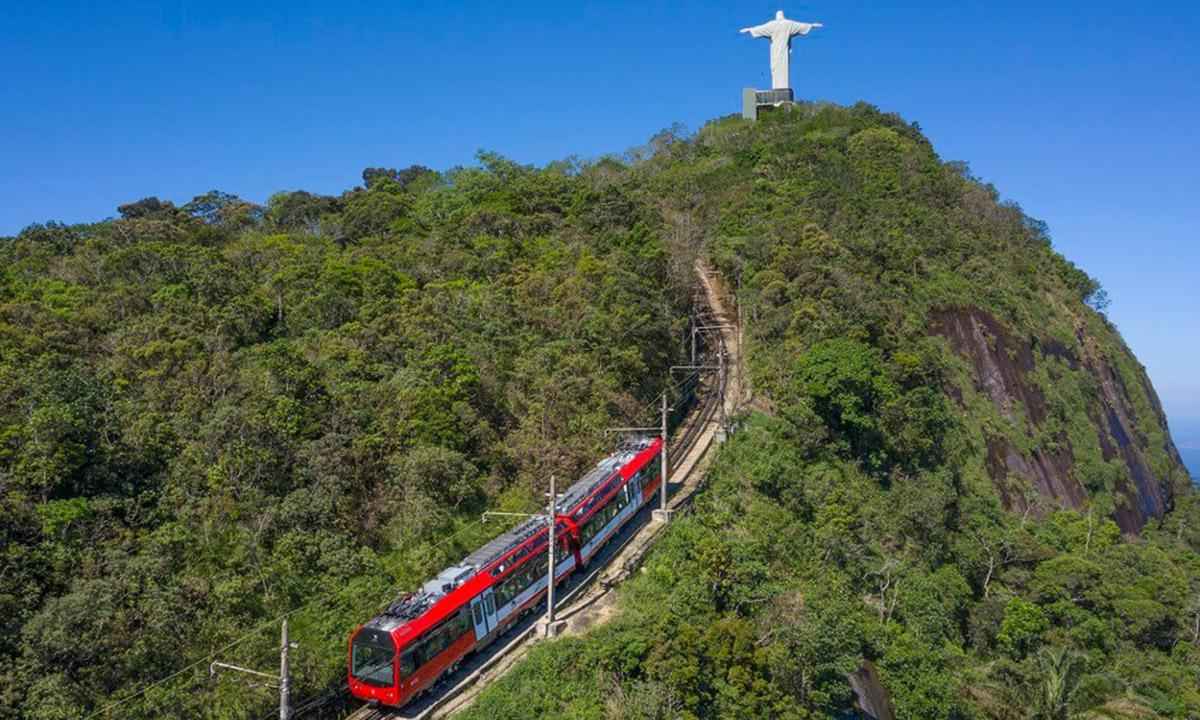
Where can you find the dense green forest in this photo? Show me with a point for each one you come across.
(954, 480)
(953, 477)
(215, 414)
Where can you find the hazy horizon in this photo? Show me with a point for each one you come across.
(1191, 459)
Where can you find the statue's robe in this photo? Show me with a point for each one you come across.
(781, 33)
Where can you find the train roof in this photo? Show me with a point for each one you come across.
(411, 606)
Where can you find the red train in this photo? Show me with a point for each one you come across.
(425, 635)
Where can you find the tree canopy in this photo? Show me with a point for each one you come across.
(948, 477)
(215, 414)
(954, 477)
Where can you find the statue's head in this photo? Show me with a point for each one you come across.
(778, 14)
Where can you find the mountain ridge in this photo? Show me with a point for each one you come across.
(955, 477)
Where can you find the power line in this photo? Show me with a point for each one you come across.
(679, 385)
(391, 594)
(257, 629)
(196, 664)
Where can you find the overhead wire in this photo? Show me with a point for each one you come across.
(389, 597)
(258, 628)
(251, 633)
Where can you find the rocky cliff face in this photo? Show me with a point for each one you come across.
(1086, 424)
(855, 244)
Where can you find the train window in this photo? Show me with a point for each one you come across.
(371, 660)
(436, 641)
(408, 663)
(434, 645)
(479, 613)
(490, 605)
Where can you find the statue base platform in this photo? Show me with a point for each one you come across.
(756, 101)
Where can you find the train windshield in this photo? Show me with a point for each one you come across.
(371, 657)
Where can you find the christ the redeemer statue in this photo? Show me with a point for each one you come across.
(780, 30)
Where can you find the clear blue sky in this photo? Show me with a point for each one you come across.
(1086, 113)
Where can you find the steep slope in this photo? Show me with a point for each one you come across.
(850, 226)
(955, 476)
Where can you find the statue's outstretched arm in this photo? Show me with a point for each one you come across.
(756, 31)
(799, 28)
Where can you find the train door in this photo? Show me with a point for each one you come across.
(483, 613)
(479, 618)
(489, 608)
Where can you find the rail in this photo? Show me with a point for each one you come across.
(683, 459)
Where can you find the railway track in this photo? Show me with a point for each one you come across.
(581, 594)
(623, 556)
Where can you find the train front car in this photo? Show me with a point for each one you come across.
(417, 640)
(373, 666)
(424, 636)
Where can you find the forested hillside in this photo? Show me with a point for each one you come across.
(955, 490)
(953, 479)
(214, 414)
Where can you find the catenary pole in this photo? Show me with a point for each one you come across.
(721, 383)
(550, 518)
(284, 678)
(666, 463)
(285, 704)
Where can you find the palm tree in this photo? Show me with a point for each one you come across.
(1050, 699)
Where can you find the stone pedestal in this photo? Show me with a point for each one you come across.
(755, 101)
(749, 104)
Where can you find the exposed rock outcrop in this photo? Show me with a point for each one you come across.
(1004, 368)
(871, 698)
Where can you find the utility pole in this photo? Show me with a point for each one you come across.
(551, 518)
(285, 681)
(284, 678)
(721, 384)
(741, 368)
(666, 463)
(551, 627)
